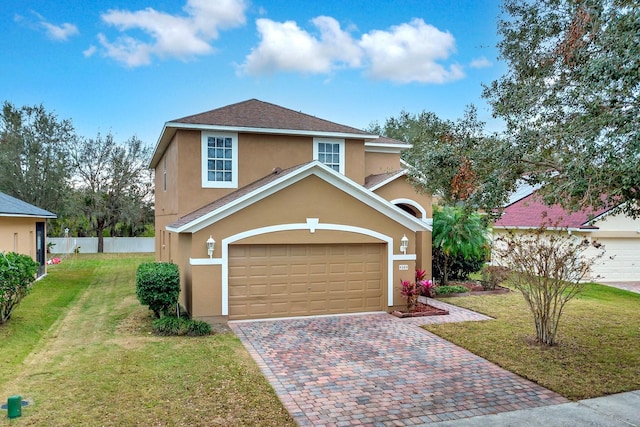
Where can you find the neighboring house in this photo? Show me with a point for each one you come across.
(23, 229)
(308, 216)
(619, 234)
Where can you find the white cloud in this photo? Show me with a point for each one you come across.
(406, 53)
(89, 51)
(410, 53)
(56, 32)
(170, 36)
(285, 46)
(60, 32)
(481, 62)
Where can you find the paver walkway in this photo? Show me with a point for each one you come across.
(376, 369)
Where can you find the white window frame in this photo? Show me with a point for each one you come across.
(340, 142)
(234, 160)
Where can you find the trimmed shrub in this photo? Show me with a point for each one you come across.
(446, 290)
(493, 275)
(198, 328)
(158, 286)
(459, 267)
(170, 325)
(17, 273)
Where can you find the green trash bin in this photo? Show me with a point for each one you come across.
(14, 406)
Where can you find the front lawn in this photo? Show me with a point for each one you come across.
(599, 341)
(80, 348)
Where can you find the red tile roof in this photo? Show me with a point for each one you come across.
(263, 115)
(532, 212)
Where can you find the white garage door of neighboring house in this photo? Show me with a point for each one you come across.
(621, 262)
(298, 280)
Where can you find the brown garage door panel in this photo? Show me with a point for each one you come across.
(296, 280)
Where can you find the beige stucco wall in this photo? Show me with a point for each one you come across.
(258, 155)
(309, 198)
(354, 166)
(18, 235)
(619, 226)
(377, 163)
(400, 188)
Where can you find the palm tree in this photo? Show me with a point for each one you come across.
(457, 232)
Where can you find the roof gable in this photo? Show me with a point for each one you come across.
(281, 179)
(10, 206)
(531, 212)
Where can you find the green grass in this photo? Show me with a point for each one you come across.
(46, 302)
(95, 360)
(599, 341)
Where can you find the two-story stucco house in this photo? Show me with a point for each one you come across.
(308, 216)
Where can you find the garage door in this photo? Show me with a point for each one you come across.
(300, 280)
(621, 262)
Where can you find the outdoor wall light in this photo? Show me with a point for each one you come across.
(211, 244)
(404, 243)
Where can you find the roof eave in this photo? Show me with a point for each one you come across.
(375, 147)
(23, 215)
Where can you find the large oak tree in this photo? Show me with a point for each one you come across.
(457, 161)
(571, 97)
(34, 164)
(113, 181)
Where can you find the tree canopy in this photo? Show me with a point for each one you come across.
(93, 185)
(33, 156)
(113, 181)
(457, 161)
(570, 98)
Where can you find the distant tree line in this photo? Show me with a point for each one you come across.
(96, 186)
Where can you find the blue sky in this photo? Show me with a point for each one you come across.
(127, 67)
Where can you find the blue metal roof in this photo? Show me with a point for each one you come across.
(10, 206)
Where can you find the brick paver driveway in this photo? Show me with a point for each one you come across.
(376, 369)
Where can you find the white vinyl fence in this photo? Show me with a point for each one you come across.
(89, 245)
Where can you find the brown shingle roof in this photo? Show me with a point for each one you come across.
(273, 176)
(263, 115)
(373, 180)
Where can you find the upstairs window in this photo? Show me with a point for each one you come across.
(219, 160)
(330, 152)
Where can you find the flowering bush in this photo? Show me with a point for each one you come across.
(412, 290)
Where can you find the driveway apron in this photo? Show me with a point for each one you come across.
(376, 369)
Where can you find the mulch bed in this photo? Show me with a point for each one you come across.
(421, 311)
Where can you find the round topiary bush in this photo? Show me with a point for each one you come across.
(158, 286)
